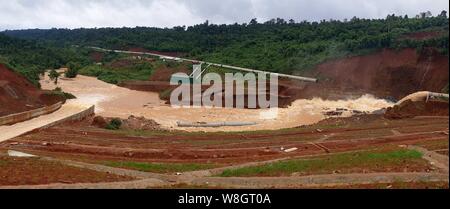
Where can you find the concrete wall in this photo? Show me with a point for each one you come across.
(77, 117)
(23, 116)
(36, 125)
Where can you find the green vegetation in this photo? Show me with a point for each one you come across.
(365, 160)
(31, 58)
(54, 76)
(396, 185)
(58, 92)
(160, 167)
(73, 69)
(114, 75)
(114, 124)
(276, 45)
(3, 163)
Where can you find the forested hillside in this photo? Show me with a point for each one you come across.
(31, 57)
(276, 45)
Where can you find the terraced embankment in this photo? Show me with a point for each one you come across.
(72, 110)
(23, 116)
(140, 154)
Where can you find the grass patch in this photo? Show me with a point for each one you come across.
(344, 162)
(141, 71)
(114, 124)
(161, 167)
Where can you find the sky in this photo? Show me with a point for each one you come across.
(25, 14)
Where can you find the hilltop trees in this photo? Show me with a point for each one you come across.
(275, 45)
(32, 57)
(72, 70)
(54, 76)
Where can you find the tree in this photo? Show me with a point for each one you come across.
(280, 21)
(443, 14)
(288, 47)
(426, 14)
(72, 72)
(254, 21)
(272, 21)
(54, 76)
(114, 124)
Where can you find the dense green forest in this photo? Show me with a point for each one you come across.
(276, 45)
(32, 57)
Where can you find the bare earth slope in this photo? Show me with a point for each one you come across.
(17, 94)
(386, 74)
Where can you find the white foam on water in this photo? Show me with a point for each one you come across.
(366, 102)
(92, 99)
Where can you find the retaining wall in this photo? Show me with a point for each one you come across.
(23, 116)
(77, 117)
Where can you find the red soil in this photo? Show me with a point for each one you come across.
(97, 56)
(121, 63)
(159, 81)
(410, 109)
(164, 73)
(33, 171)
(82, 141)
(387, 74)
(17, 94)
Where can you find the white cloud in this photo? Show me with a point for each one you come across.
(18, 14)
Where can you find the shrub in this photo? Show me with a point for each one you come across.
(69, 95)
(54, 76)
(72, 72)
(114, 124)
(58, 91)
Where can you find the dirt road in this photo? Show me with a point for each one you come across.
(114, 101)
(70, 108)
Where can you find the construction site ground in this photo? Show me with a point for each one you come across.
(82, 155)
(165, 159)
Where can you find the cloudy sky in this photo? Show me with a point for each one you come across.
(22, 14)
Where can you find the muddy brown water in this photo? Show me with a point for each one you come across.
(115, 101)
